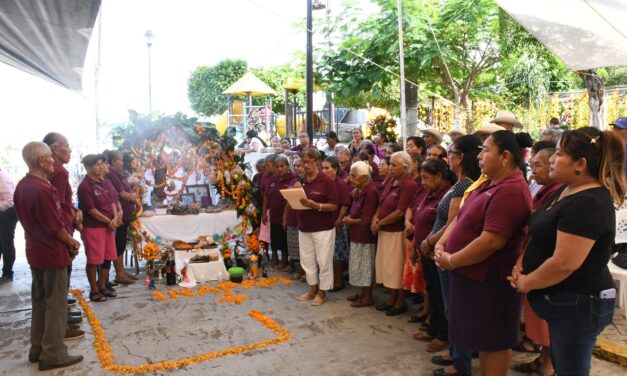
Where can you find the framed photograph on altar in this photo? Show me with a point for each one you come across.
(187, 198)
(198, 191)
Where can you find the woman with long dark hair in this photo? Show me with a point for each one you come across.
(564, 268)
(481, 246)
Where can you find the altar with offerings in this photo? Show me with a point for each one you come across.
(188, 227)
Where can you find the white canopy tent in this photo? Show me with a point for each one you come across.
(585, 34)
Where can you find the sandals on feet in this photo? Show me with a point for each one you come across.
(96, 297)
(108, 293)
(422, 337)
(522, 346)
(359, 303)
(353, 298)
(417, 318)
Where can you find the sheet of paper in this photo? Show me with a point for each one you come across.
(293, 196)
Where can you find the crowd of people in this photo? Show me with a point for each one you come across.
(479, 230)
(43, 203)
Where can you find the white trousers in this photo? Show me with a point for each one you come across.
(316, 257)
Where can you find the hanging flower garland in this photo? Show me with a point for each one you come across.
(385, 124)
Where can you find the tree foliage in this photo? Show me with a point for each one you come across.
(276, 77)
(206, 84)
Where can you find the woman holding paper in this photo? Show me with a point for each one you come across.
(316, 228)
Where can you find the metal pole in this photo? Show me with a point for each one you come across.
(149, 83)
(402, 66)
(309, 74)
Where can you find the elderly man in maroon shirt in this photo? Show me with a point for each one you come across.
(49, 250)
(72, 218)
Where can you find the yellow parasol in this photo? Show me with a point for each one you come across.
(249, 85)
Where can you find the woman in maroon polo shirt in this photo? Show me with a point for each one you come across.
(481, 246)
(413, 279)
(344, 156)
(97, 198)
(436, 179)
(384, 173)
(278, 235)
(129, 201)
(388, 223)
(290, 222)
(331, 167)
(317, 229)
(363, 243)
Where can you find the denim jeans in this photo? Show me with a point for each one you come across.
(575, 321)
(461, 357)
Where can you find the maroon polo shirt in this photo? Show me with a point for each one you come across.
(39, 210)
(365, 203)
(345, 171)
(425, 213)
(299, 148)
(544, 194)
(292, 217)
(98, 195)
(121, 185)
(397, 195)
(265, 181)
(375, 173)
(60, 180)
(343, 195)
(321, 189)
(382, 185)
(275, 198)
(503, 208)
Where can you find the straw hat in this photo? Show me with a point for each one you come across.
(506, 117)
(460, 131)
(488, 129)
(433, 132)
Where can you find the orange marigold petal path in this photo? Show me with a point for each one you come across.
(106, 357)
(235, 299)
(159, 296)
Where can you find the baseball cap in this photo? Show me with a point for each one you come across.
(621, 122)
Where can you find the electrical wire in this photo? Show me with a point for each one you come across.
(366, 59)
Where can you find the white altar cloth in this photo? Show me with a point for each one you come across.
(188, 227)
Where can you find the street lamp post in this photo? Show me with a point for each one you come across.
(317, 4)
(149, 36)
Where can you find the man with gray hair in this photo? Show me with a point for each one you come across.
(49, 250)
(72, 218)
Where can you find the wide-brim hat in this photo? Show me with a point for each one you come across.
(433, 132)
(488, 129)
(506, 117)
(460, 131)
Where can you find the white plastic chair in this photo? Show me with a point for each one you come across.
(620, 274)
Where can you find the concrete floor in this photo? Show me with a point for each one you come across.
(333, 339)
